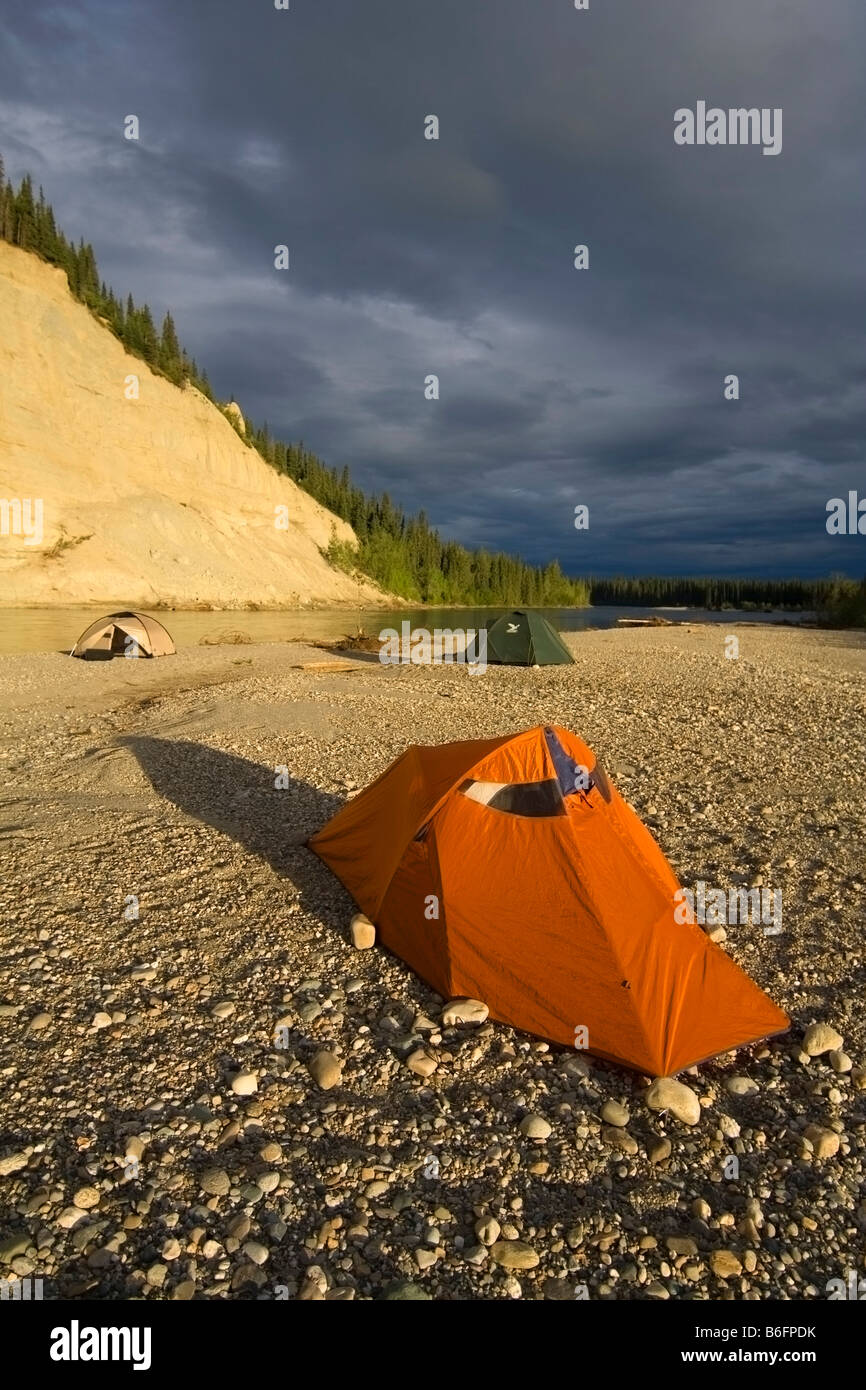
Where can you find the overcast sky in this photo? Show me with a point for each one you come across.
(558, 387)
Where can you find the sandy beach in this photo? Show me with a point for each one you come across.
(130, 1168)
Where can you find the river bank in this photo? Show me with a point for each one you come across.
(129, 1166)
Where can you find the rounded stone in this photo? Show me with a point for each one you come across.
(535, 1127)
(614, 1113)
(215, 1182)
(667, 1094)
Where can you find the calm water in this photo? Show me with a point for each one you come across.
(56, 629)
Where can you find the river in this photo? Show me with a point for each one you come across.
(56, 629)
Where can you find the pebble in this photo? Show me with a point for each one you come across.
(86, 1197)
(326, 1069)
(488, 1230)
(614, 1113)
(405, 1292)
(514, 1254)
(535, 1127)
(475, 1254)
(12, 1163)
(741, 1086)
(69, 1217)
(659, 1149)
(14, 1244)
(101, 1020)
(619, 1139)
(558, 1291)
(681, 1245)
(224, 1009)
(422, 1062)
(362, 931)
(215, 1181)
(39, 1022)
(245, 1083)
(256, 1252)
(464, 1011)
(825, 1142)
(134, 1148)
(667, 1094)
(725, 1264)
(820, 1038)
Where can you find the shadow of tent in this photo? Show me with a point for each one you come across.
(239, 799)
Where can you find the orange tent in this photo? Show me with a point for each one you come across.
(511, 870)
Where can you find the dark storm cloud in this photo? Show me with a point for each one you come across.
(412, 257)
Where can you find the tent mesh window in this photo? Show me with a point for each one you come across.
(517, 798)
(572, 777)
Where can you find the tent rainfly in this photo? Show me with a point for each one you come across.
(525, 639)
(123, 634)
(511, 870)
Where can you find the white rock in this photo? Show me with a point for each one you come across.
(535, 1127)
(362, 931)
(11, 1163)
(70, 1216)
(667, 1094)
(422, 1062)
(741, 1086)
(840, 1061)
(245, 1083)
(825, 1142)
(613, 1113)
(145, 973)
(488, 1230)
(256, 1252)
(101, 1020)
(464, 1011)
(820, 1038)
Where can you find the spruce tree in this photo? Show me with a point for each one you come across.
(169, 351)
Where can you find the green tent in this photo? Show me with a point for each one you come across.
(525, 639)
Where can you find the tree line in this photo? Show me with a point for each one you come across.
(662, 591)
(28, 221)
(404, 554)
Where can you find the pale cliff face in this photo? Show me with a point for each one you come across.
(147, 501)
